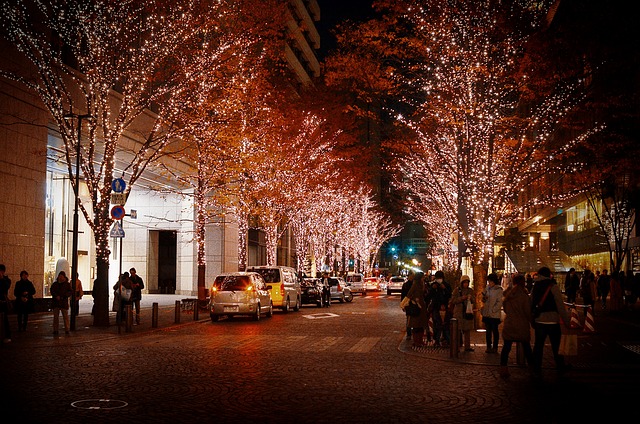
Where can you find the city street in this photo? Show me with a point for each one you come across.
(345, 364)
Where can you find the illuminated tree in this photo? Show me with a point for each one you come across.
(115, 61)
(478, 138)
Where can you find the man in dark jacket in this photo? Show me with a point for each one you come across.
(136, 296)
(406, 286)
(571, 285)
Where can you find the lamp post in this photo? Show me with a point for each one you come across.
(74, 254)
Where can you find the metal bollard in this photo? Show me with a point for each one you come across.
(154, 315)
(129, 323)
(177, 320)
(453, 335)
(196, 307)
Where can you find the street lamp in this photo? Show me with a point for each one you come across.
(74, 254)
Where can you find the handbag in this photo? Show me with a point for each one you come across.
(568, 345)
(468, 313)
(412, 309)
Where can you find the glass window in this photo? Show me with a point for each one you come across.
(235, 282)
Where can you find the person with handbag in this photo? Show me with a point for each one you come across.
(24, 292)
(517, 323)
(60, 293)
(463, 301)
(417, 322)
(548, 310)
(123, 290)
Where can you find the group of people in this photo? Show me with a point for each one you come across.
(620, 289)
(127, 291)
(542, 308)
(61, 295)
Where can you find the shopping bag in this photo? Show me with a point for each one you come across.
(568, 345)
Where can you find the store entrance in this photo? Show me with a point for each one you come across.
(167, 259)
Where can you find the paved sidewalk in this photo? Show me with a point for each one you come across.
(40, 325)
(614, 344)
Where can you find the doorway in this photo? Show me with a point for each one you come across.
(166, 261)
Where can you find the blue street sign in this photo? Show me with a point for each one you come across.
(118, 185)
(116, 230)
(117, 212)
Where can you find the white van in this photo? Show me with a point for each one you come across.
(355, 282)
(285, 286)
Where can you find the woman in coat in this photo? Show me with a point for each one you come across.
(418, 323)
(491, 312)
(460, 298)
(517, 323)
(24, 292)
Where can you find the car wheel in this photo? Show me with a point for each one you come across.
(286, 307)
(214, 317)
(270, 311)
(297, 307)
(341, 298)
(348, 297)
(256, 316)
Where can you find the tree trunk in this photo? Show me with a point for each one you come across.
(101, 288)
(480, 271)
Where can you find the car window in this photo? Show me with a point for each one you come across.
(333, 281)
(235, 282)
(270, 275)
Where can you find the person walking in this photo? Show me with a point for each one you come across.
(420, 322)
(23, 292)
(571, 285)
(403, 293)
(5, 285)
(517, 323)
(604, 285)
(588, 289)
(491, 311)
(136, 296)
(75, 308)
(437, 300)
(616, 298)
(548, 310)
(326, 290)
(60, 293)
(462, 300)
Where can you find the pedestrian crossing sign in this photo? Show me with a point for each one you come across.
(116, 230)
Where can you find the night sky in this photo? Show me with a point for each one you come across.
(332, 12)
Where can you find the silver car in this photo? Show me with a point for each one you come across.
(395, 285)
(240, 293)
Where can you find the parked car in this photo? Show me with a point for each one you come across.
(395, 284)
(339, 290)
(285, 286)
(311, 291)
(240, 293)
(371, 284)
(355, 282)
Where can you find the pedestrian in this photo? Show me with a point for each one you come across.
(604, 285)
(571, 285)
(24, 292)
(326, 290)
(547, 312)
(491, 312)
(75, 308)
(420, 322)
(462, 300)
(517, 323)
(122, 292)
(5, 285)
(138, 284)
(403, 293)
(616, 298)
(60, 293)
(437, 300)
(589, 292)
(529, 283)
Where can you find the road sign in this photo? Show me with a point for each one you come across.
(118, 185)
(133, 214)
(117, 212)
(118, 199)
(116, 230)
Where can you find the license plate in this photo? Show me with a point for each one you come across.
(231, 309)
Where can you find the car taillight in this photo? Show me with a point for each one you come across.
(339, 288)
(214, 289)
(282, 288)
(250, 288)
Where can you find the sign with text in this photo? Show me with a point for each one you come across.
(118, 199)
